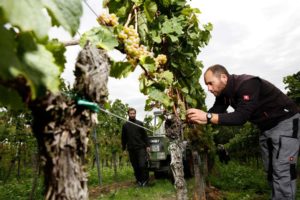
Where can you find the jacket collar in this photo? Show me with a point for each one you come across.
(228, 90)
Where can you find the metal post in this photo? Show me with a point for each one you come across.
(97, 156)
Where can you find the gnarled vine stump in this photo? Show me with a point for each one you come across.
(173, 126)
(62, 127)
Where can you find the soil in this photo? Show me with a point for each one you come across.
(96, 191)
(212, 193)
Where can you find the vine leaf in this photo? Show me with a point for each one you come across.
(166, 3)
(149, 63)
(57, 49)
(185, 90)
(160, 97)
(189, 11)
(120, 69)
(155, 36)
(64, 13)
(142, 25)
(150, 9)
(190, 100)
(121, 8)
(40, 71)
(172, 26)
(9, 97)
(167, 76)
(138, 2)
(101, 36)
(145, 84)
(27, 15)
(7, 51)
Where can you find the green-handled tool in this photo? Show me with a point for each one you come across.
(90, 105)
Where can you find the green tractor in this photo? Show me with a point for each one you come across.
(160, 158)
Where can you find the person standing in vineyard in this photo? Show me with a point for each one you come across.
(135, 140)
(258, 101)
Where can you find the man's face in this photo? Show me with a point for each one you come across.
(132, 114)
(215, 83)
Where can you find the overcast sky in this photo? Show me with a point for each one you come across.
(252, 36)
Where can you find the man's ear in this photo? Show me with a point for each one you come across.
(224, 78)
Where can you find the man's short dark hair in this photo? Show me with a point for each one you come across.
(131, 109)
(217, 70)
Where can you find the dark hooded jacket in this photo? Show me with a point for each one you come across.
(134, 137)
(255, 100)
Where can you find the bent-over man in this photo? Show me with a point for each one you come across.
(260, 102)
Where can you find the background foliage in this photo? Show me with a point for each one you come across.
(293, 86)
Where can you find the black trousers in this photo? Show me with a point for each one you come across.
(138, 159)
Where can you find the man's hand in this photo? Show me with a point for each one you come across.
(196, 116)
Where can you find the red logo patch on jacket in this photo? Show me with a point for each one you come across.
(246, 97)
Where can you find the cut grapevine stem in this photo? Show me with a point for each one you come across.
(129, 18)
(136, 19)
(71, 42)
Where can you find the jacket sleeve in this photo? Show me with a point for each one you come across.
(247, 101)
(124, 137)
(145, 136)
(219, 106)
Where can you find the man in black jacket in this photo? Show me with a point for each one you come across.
(258, 101)
(135, 139)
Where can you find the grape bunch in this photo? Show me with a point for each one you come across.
(161, 59)
(108, 19)
(130, 37)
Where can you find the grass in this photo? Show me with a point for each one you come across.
(161, 189)
(235, 181)
(124, 173)
(240, 182)
(243, 182)
(20, 189)
(232, 179)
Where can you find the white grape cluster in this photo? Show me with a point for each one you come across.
(108, 19)
(134, 50)
(161, 59)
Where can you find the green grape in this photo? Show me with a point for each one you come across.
(122, 35)
(133, 49)
(108, 20)
(161, 59)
